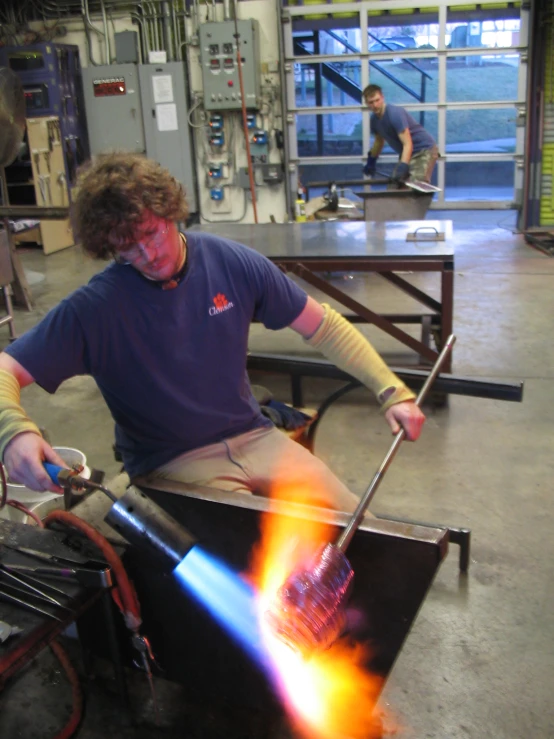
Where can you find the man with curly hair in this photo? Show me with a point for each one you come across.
(163, 330)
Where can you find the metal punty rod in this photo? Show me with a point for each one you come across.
(346, 537)
(308, 613)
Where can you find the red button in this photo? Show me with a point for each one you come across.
(230, 83)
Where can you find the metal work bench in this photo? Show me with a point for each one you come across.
(390, 202)
(310, 249)
(395, 564)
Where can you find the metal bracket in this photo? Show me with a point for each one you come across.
(417, 235)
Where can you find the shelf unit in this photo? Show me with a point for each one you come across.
(38, 177)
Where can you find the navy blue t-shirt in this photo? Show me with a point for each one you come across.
(171, 364)
(395, 120)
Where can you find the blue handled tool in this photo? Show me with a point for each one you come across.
(53, 470)
(68, 479)
(72, 482)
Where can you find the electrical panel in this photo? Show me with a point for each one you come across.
(142, 108)
(114, 109)
(220, 76)
(51, 78)
(166, 127)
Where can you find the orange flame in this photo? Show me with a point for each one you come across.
(331, 695)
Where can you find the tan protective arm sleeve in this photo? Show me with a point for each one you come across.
(13, 419)
(344, 345)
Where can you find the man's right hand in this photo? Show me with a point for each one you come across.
(23, 461)
(370, 165)
(401, 172)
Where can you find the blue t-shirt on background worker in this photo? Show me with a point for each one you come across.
(395, 120)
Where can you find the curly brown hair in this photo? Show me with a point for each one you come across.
(115, 192)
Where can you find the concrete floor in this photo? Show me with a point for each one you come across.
(480, 659)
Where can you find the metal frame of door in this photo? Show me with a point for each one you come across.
(293, 160)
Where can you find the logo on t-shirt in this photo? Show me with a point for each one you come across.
(220, 304)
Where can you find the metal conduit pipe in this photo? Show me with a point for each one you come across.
(176, 31)
(196, 20)
(157, 25)
(167, 32)
(143, 42)
(289, 200)
(156, 42)
(89, 26)
(183, 38)
(107, 48)
(150, 29)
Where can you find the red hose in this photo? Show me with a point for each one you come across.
(26, 511)
(77, 710)
(125, 597)
(124, 594)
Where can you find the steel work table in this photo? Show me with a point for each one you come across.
(310, 249)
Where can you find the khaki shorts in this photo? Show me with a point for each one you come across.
(259, 462)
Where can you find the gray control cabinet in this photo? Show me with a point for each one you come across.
(166, 126)
(113, 108)
(142, 108)
(218, 53)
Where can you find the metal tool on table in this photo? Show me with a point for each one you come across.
(24, 599)
(24, 580)
(88, 574)
(26, 585)
(418, 185)
(308, 613)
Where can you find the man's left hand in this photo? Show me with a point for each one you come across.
(401, 172)
(406, 415)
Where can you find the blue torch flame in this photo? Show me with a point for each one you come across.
(228, 598)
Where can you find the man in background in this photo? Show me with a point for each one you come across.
(391, 124)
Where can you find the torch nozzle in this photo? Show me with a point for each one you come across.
(308, 612)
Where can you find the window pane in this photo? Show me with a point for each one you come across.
(481, 33)
(486, 77)
(481, 131)
(479, 181)
(340, 41)
(333, 134)
(329, 83)
(403, 35)
(406, 81)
